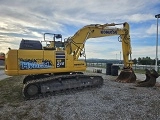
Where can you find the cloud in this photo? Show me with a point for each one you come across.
(152, 29)
(29, 20)
(105, 48)
(143, 52)
(138, 17)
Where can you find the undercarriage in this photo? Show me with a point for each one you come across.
(35, 86)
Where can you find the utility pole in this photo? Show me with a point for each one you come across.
(157, 16)
(120, 57)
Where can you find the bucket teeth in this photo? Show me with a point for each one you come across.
(150, 80)
(126, 76)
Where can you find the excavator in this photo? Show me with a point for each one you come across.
(56, 66)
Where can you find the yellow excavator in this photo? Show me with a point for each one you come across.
(56, 67)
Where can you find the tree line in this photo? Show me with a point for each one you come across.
(145, 61)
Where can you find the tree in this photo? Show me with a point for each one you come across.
(146, 61)
(135, 61)
(139, 60)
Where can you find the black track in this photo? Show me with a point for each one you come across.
(34, 88)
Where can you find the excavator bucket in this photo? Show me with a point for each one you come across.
(150, 80)
(148, 73)
(126, 76)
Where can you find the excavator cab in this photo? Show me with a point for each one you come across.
(55, 44)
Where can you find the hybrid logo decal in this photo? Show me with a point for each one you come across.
(109, 31)
(26, 64)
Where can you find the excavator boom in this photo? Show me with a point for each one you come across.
(75, 44)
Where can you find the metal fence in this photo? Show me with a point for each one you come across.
(135, 67)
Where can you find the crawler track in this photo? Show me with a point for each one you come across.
(59, 84)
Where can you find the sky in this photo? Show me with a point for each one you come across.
(30, 19)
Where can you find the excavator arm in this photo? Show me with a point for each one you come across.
(75, 44)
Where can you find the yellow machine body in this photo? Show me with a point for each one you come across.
(27, 62)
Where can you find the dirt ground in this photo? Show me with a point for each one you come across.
(112, 101)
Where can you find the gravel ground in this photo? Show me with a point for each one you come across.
(112, 101)
(2, 75)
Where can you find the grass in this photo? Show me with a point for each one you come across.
(11, 96)
(1, 68)
(12, 102)
(11, 91)
(140, 71)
